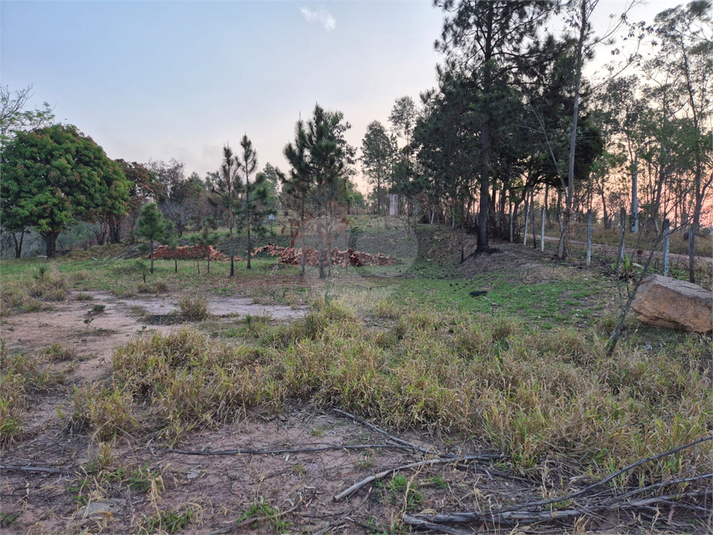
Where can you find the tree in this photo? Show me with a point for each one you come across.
(297, 187)
(226, 186)
(269, 179)
(320, 158)
(152, 226)
(489, 40)
(145, 187)
(15, 118)
(55, 176)
(247, 165)
(208, 236)
(684, 63)
(377, 151)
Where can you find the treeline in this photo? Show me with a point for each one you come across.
(511, 125)
(54, 177)
(513, 122)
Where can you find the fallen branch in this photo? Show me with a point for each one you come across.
(40, 469)
(420, 523)
(397, 440)
(607, 479)
(521, 515)
(356, 486)
(282, 451)
(417, 448)
(666, 483)
(342, 518)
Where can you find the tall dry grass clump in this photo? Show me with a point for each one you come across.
(21, 376)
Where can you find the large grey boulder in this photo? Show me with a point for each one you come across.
(666, 302)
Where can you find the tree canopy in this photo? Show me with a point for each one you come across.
(56, 176)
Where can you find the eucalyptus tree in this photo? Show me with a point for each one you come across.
(14, 115)
(684, 61)
(490, 39)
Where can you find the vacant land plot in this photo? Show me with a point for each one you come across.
(381, 400)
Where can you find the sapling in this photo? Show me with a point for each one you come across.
(152, 226)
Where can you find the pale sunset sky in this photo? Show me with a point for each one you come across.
(179, 79)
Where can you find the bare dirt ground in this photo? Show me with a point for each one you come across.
(47, 468)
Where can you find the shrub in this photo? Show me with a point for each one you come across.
(193, 308)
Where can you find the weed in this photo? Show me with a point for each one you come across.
(141, 479)
(84, 297)
(106, 412)
(98, 309)
(261, 510)
(300, 468)
(439, 482)
(158, 287)
(171, 521)
(48, 284)
(193, 308)
(56, 352)
(8, 519)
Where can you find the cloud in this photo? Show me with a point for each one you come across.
(323, 16)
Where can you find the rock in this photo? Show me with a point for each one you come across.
(666, 302)
(104, 508)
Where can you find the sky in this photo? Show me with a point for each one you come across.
(162, 80)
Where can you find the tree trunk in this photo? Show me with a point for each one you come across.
(247, 218)
(18, 244)
(563, 249)
(50, 243)
(483, 245)
(151, 253)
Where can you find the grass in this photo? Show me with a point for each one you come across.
(523, 371)
(262, 511)
(170, 521)
(532, 394)
(21, 377)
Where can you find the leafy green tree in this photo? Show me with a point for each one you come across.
(15, 118)
(56, 176)
(269, 179)
(145, 188)
(152, 226)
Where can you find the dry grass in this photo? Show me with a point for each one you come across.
(536, 396)
(21, 375)
(193, 308)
